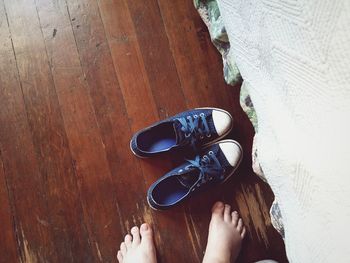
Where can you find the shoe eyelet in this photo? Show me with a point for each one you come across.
(202, 114)
(187, 135)
(210, 152)
(195, 116)
(201, 137)
(208, 135)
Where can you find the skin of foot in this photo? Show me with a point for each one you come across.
(226, 232)
(138, 247)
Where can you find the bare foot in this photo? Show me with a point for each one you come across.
(226, 232)
(139, 247)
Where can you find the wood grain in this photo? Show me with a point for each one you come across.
(8, 246)
(64, 219)
(25, 183)
(77, 79)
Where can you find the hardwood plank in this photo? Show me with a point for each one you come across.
(228, 95)
(157, 56)
(109, 106)
(111, 114)
(8, 245)
(25, 182)
(88, 150)
(50, 142)
(190, 58)
(128, 63)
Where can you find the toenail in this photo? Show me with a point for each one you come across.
(134, 229)
(144, 227)
(220, 204)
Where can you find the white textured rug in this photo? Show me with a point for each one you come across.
(294, 57)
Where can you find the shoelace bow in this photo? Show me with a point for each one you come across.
(209, 167)
(194, 127)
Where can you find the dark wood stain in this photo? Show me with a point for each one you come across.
(77, 79)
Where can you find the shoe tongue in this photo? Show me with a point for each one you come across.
(188, 178)
(211, 125)
(178, 132)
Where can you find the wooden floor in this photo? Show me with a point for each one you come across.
(77, 79)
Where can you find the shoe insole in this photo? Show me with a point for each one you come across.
(161, 145)
(158, 139)
(169, 191)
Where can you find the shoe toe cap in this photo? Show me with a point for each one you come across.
(222, 121)
(232, 151)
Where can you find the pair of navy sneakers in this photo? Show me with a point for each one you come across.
(199, 131)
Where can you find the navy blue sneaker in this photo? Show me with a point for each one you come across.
(193, 128)
(214, 166)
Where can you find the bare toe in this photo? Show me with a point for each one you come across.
(146, 234)
(243, 233)
(127, 240)
(123, 248)
(235, 218)
(224, 240)
(240, 225)
(138, 247)
(146, 231)
(218, 209)
(120, 257)
(227, 213)
(135, 235)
